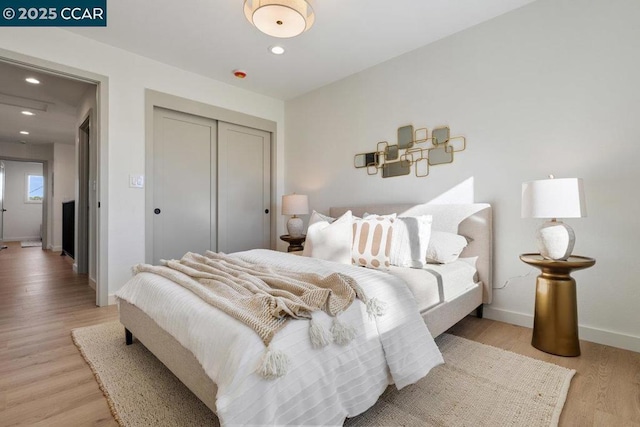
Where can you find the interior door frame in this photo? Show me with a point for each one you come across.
(155, 99)
(2, 189)
(82, 201)
(101, 124)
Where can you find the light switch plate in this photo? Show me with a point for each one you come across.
(136, 181)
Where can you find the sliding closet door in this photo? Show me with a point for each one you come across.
(244, 188)
(184, 184)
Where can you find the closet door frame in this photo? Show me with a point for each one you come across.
(155, 99)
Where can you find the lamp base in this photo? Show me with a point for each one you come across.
(295, 226)
(555, 240)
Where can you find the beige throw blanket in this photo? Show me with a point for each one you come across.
(260, 296)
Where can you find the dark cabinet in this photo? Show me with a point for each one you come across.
(68, 228)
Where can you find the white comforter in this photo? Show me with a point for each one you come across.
(322, 386)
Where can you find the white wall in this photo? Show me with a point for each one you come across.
(63, 187)
(21, 220)
(549, 88)
(129, 75)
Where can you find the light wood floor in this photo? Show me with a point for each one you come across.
(45, 382)
(43, 379)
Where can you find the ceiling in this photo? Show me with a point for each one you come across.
(54, 102)
(213, 37)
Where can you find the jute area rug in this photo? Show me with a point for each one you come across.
(479, 385)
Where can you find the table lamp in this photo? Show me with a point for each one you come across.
(295, 204)
(552, 199)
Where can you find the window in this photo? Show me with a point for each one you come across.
(35, 189)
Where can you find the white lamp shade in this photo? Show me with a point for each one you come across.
(553, 198)
(295, 204)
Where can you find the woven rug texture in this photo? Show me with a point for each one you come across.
(478, 385)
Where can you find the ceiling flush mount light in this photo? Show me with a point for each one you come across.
(24, 132)
(280, 18)
(28, 113)
(240, 74)
(32, 80)
(276, 50)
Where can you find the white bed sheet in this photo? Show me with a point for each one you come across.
(437, 283)
(322, 386)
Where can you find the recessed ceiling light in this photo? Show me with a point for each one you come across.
(24, 132)
(28, 113)
(32, 80)
(276, 50)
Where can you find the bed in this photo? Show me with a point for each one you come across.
(439, 308)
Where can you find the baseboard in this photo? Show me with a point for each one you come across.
(112, 299)
(587, 333)
(92, 283)
(55, 248)
(75, 267)
(21, 239)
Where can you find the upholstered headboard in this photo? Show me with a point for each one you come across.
(470, 220)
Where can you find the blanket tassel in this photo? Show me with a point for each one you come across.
(274, 364)
(342, 333)
(318, 335)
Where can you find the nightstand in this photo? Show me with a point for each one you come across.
(295, 243)
(555, 323)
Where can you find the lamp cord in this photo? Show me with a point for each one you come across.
(509, 280)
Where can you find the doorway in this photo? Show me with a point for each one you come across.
(60, 97)
(23, 197)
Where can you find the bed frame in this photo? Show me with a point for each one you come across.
(473, 221)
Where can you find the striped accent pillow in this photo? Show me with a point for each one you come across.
(372, 242)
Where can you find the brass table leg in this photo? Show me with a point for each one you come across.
(555, 324)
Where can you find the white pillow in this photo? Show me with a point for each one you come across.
(410, 241)
(330, 241)
(317, 217)
(445, 247)
(372, 242)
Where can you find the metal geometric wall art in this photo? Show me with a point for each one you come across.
(414, 149)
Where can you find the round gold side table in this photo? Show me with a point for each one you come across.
(555, 323)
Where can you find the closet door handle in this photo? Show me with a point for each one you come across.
(266, 211)
(157, 211)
